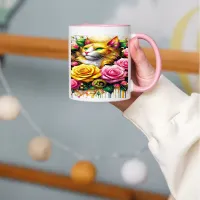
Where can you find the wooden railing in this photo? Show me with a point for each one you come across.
(62, 182)
(173, 60)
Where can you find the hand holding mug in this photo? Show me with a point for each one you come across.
(142, 73)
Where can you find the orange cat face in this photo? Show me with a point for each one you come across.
(98, 50)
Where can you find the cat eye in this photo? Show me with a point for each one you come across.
(99, 48)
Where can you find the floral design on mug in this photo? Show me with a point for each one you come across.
(99, 66)
(85, 73)
(75, 84)
(122, 62)
(113, 73)
(125, 52)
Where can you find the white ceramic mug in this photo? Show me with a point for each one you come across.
(100, 63)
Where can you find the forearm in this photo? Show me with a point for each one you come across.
(169, 119)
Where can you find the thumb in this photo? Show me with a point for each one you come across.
(144, 69)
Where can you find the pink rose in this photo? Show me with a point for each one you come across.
(125, 52)
(113, 73)
(87, 41)
(124, 83)
(122, 62)
(74, 63)
(116, 85)
(75, 84)
(74, 46)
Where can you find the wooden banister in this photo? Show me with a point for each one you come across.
(173, 60)
(63, 182)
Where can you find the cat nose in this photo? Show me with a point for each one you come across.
(86, 53)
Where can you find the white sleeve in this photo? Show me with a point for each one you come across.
(170, 120)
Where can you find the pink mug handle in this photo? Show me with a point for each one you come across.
(136, 88)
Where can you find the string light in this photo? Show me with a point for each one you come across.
(128, 168)
(58, 144)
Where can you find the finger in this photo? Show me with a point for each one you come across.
(144, 69)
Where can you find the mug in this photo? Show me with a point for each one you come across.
(100, 63)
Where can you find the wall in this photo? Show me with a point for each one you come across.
(41, 85)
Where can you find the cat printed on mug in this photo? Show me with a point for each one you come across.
(99, 53)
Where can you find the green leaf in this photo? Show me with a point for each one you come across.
(98, 93)
(123, 45)
(92, 88)
(73, 49)
(109, 88)
(124, 88)
(122, 41)
(81, 42)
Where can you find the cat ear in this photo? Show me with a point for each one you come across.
(114, 42)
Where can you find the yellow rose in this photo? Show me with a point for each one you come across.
(85, 73)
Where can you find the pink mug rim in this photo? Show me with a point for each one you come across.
(102, 25)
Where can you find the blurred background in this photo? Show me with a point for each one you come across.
(42, 87)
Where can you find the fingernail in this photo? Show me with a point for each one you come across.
(136, 44)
